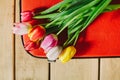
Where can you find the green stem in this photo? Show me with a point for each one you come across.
(45, 16)
(76, 39)
(57, 6)
(85, 7)
(112, 7)
(53, 8)
(73, 38)
(96, 12)
(89, 5)
(78, 22)
(47, 26)
(68, 23)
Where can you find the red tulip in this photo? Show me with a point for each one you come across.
(36, 33)
(26, 16)
(30, 45)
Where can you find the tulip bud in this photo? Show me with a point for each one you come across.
(49, 42)
(36, 33)
(67, 54)
(30, 45)
(26, 16)
(53, 53)
(21, 28)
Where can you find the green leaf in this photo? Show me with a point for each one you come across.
(68, 11)
(45, 16)
(73, 16)
(112, 7)
(56, 6)
(53, 8)
(96, 12)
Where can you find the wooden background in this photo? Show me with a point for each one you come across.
(16, 64)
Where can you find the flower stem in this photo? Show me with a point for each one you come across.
(112, 7)
(96, 12)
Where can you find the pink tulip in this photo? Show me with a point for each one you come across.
(26, 16)
(49, 42)
(36, 33)
(21, 28)
(53, 53)
(30, 45)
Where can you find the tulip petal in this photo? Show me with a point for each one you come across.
(49, 42)
(67, 54)
(54, 53)
(37, 33)
(26, 16)
(30, 45)
(21, 28)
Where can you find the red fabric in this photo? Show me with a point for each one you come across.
(100, 39)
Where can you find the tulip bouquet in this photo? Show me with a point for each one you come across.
(71, 15)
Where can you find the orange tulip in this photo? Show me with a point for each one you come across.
(36, 33)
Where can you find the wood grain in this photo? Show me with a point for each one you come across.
(6, 39)
(79, 69)
(110, 69)
(28, 67)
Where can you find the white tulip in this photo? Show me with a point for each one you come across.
(53, 53)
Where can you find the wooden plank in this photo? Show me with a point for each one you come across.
(110, 69)
(79, 69)
(6, 39)
(28, 67)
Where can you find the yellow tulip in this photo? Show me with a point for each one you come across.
(67, 54)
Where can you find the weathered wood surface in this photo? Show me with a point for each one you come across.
(6, 40)
(110, 69)
(79, 69)
(16, 64)
(26, 66)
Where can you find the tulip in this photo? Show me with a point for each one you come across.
(26, 16)
(36, 33)
(30, 45)
(53, 53)
(67, 54)
(49, 42)
(21, 28)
